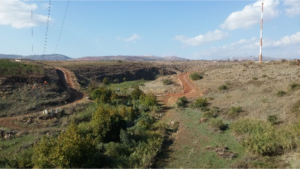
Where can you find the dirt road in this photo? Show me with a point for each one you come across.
(189, 90)
(71, 82)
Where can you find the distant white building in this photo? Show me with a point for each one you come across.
(17, 60)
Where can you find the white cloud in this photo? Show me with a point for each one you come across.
(17, 14)
(250, 15)
(45, 5)
(287, 46)
(132, 38)
(200, 39)
(294, 7)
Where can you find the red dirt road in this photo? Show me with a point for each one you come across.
(189, 90)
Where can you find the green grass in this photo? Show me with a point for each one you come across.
(189, 150)
(9, 147)
(126, 85)
(10, 68)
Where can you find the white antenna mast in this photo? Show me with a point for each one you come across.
(261, 32)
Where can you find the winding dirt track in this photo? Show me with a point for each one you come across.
(72, 83)
(189, 90)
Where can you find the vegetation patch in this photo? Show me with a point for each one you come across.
(234, 112)
(201, 103)
(167, 82)
(263, 138)
(212, 113)
(280, 93)
(181, 102)
(223, 87)
(294, 86)
(10, 68)
(217, 124)
(196, 76)
(260, 162)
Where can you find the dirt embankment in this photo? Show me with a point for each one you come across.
(69, 81)
(117, 73)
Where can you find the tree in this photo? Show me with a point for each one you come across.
(70, 149)
(136, 93)
(107, 124)
(106, 81)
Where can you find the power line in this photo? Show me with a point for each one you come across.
(62, 26)
(47, 28)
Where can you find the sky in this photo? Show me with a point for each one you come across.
(198, 29)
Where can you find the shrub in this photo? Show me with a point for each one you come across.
(217, 124)
(136, 93)
(223, 87)
(280, 93)
(264, 76)
(106, 81)
(235, 111)
(213, 113)
(200, 103)
(181, 102)
(254, 78)
(167, 82)
(294, 86)
(260, 162)
(149, 100)
(196, 76)
(292, 62)
(102, 94)
(273, 119)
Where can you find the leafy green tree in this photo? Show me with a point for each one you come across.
(136, 93)
(107, 124)
(149, 99)
(70, 149)
(106, 81)
(43, 151)
(102, 94)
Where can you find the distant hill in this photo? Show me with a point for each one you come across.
(133, 58)
(253, 58)
(4, 56)
(36, 57)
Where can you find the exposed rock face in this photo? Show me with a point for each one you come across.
(116, 73)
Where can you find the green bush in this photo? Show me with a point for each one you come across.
(200, 103)
(217, 124)
(106, 81)
(264, 76)
(102, 94)
(212, 113)
(264, 139)
(136, 93)
(280, 93)
(254, 78)
(234, 112)
(294, 86)
(273, 119)
(181, 102)
(196, 76)
(149, 100)
(223, 87)
(167, 82)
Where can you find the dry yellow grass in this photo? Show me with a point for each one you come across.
(257, 97)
